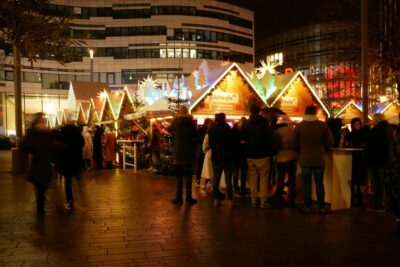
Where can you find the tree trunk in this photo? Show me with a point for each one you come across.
(18, 99)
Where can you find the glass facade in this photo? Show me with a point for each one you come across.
(327, 54)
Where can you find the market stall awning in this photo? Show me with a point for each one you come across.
(349, 112)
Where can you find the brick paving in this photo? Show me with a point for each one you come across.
(127, 220)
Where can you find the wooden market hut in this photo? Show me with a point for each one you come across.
(293, 94)
(392, 110)
(92, 117)
(230, 92)
(350, 111)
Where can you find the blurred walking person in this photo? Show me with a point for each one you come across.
(154, 148)
(87, 149)
(98, 147)
(378, 157)
(257, 133)
(313, 139)
(394, 177)
(286, 160)
(183, 130)
(71, 163)
(222, 144)
(38, 144)
(109, 147)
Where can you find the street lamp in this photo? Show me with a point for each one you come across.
(91, 53)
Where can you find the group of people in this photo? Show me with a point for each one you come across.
(63, 152)
(262, 149)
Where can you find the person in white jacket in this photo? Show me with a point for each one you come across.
(87, 150)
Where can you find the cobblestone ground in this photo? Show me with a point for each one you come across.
(128, 221)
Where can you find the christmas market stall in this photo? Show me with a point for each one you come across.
(391, 110)
(349, 112)
(230, 92)
(292, 93)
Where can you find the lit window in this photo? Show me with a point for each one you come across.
(276, 58)
(171, 53)
(178, 52)
(193, 53)
(163, 53)
(185, 53)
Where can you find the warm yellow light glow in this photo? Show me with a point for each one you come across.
(49, 109)
(102, 95)
(382, 98)
(91, 53)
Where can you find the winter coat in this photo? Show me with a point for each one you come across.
(69, 146)
(257, 134)
(313, 140)
(285, 143)
(207, 171)
(97, 145)
(87, 149)
(222, 143)
(183, 130)
(356, 139)
(379, 144)
(38, 144)
(240, 148)
(109, 146)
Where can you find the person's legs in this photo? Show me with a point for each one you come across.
(40, 190)
(218, 168)
(306, 173)
(179, 185)
(188, 176)
(199, 167)
(319, 185)
(291, 169)
(252, 175)
(281, 168)
(228, 170)
(235, 178)
(263, 166)
(377, 175)
(243, 177)
(68, 191)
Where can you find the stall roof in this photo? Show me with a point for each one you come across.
(87, 90)
(283, 82)
(215, 77)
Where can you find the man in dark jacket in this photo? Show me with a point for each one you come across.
(257, 133)
(378, 156)
(313, 139)
(184, 131)
(222, 144)
(70, 159)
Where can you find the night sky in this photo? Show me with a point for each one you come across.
(274, 16)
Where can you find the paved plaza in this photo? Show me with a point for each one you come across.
(126, 219)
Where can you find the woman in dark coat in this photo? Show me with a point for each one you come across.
(97, 147)
(356, 139)
(38, 144)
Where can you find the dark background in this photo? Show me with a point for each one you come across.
(274, 16)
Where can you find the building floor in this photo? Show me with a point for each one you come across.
(126, 219)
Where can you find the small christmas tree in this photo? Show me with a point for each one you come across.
(178, 97)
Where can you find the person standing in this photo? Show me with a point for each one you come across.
(109, 148)
(240, 168)
(71, 163)
(38, 144)
(313, 139)
(87, 149)
(222, 144)
(201, 133)
(97, 147)
(394, 177)
(154, 147)
(378, 157)
(257, 133)
(184, 132)
(357, 139)
(286, 156)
